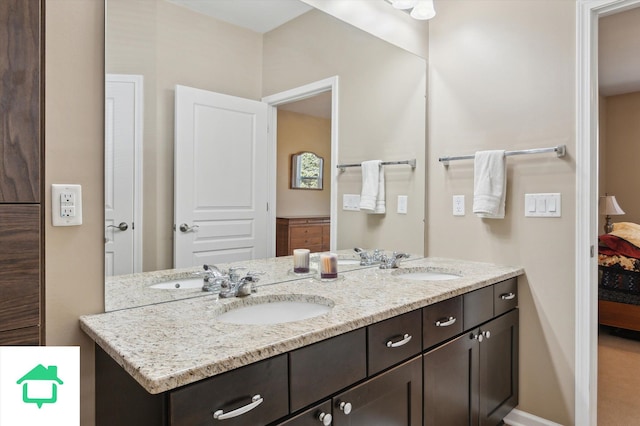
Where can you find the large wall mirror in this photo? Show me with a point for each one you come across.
(154, 45)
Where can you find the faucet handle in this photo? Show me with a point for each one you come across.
(234, 276)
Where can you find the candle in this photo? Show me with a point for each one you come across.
(328, 265)
(301, 261)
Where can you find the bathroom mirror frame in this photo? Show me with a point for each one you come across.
(305, 175)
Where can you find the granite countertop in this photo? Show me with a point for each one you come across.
(167, 345)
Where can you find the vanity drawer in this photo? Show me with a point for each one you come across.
(302, 232)
(477, 307)
(441, 321)
(195, 404)
(325, 367)
(392, 341)
(505, 296)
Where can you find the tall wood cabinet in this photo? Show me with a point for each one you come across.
(21, 164)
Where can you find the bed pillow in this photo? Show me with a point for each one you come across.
(624, 240)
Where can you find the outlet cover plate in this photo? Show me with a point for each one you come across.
(66, 205)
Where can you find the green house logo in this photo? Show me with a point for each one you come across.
(40, 377)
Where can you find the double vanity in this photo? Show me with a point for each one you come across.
(433, 342)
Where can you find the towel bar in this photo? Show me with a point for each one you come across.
(412, 163)
(561, 151)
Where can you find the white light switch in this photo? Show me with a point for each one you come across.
(66, 205)
(402, 204)
(542, 205)
(351, 202)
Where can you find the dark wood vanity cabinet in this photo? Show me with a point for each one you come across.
(421, 367)
(21, 199)
(473, 379)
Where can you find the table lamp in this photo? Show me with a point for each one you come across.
(609, 206)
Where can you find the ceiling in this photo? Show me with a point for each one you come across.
(619, 53)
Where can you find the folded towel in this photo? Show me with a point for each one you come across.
(489, 184)
(372, 176)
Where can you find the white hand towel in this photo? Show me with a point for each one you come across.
(489, 184)
(380, 199)
(370, 185)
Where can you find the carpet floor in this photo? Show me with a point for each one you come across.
(618, 378)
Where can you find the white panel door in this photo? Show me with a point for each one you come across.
(221, 178)
(123, 139)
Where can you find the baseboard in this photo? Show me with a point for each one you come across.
(521, 418)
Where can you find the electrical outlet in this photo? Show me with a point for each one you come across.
(66, 205)
(458, 205)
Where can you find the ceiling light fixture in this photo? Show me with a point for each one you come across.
(420, 9)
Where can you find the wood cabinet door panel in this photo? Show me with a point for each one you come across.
(499, 368)
(310, 417)
(451, 389)
(326, 367)
(20, 107)
(29, 336)
(391, 399)
(19, 266)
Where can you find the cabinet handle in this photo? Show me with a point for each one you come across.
(345, 407)
(507, 296)
(478, 337)
(445, 322)
(405, 339)
(486, 334)
(325, 418)
(255, 401)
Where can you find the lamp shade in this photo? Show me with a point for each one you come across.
(609, 206)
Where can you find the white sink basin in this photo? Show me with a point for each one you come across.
(267, 311)
(179, 284)
(426, 274)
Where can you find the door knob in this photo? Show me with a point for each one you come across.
(186, 228)
(122, 226)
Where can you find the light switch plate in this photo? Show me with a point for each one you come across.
(351, 202)
(66, 205)
(402, 204)
(543, 205)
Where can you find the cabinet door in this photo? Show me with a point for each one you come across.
(450, 383)
(319, 415)
(20, 106)
(390, 399)
(19, 266)
(499, 368)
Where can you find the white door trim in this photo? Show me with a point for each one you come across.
(298, 94)
(136, 227)
(586, 302)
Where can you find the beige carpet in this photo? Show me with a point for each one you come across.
(618, 380)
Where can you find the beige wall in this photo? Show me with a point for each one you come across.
(381, 116)
(297, 133)
(502, 76)
(622, 174)
(74, 133)
(171, 45)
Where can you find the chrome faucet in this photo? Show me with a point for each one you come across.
(393, 261)
(238, 285)
(368, 259)
(212, 277)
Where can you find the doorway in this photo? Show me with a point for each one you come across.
(280, 100)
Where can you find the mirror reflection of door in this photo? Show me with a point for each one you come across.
(306, 171)
(303, 126)
(123, 182)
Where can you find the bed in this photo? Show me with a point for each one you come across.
(619, 277)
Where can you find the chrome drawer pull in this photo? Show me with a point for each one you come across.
(325, 418)
(255, 401)
(507, 296)
(445, 322)
(405, 339)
